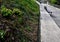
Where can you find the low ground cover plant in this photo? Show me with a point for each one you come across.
(19, 21)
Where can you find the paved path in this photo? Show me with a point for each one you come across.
(55, 13)
(50, 32)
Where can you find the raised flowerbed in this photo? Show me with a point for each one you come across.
(19, 21)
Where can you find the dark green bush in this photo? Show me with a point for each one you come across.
(9, 12)
(25, 15)
(2, 33)
(53, 1)
(5, 11)
(17, 11)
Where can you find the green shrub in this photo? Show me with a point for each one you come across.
(5, 11)
(20, 20)
(25, 5)
(2, 33)
(17, 11)
(23, 11)
(53, 1)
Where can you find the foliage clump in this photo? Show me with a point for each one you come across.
(16, 11)
(55, 2)
(5, 11)
(20, 21)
